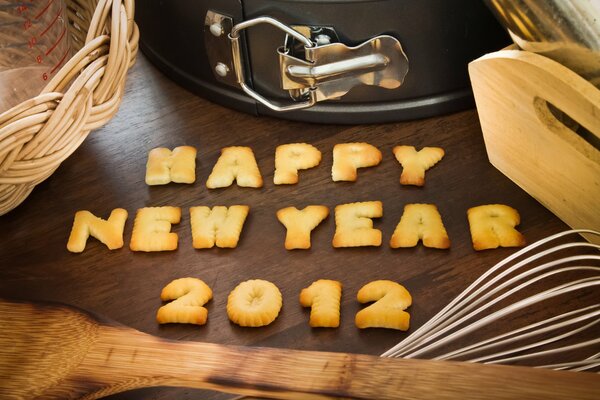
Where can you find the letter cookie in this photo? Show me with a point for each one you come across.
(300, 223)
(254, 303)
(420, 221)
(235, 164)
(415, 163)
(166, 166)
(221, 226)
(152, 229)
(323, 296)
(190, 294)
(348, 157)
(109, 232)
(493, 226)
(289, 158)
(388, 312)
(354, 226)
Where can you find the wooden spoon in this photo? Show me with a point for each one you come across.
(55, 351)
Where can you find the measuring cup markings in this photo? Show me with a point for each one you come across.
(60, 38)
(52, 22)
(39, 58)
(44, 9)
(61, 60)
(34, 44)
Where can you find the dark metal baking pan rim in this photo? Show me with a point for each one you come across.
(342, 113)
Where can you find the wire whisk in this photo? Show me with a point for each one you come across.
(572, 270)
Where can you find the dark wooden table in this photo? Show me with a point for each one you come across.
(107, 172)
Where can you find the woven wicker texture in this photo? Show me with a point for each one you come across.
(38, 134)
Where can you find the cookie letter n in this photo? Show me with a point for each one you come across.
(109, 232)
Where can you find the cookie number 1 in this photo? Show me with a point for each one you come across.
(391, 299)
(190, 294)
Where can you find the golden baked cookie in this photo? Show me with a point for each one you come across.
(109, 232)
(348, 157)
(190, 294)
(493, 226)
(391, 299)
(235, 164)
(219, 226)
(300, 223)
(289, 158)
(415, 163)
(354, 226)
(254, 303)
(152, 229)
(166, 166)
(420, 222)
(323, 297)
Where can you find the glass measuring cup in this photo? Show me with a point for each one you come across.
(34, 44)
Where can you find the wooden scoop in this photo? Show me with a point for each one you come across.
(57, 352)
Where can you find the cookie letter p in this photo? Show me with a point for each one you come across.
(290, 158)
(348, 157)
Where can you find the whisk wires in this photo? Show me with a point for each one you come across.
(481, 304)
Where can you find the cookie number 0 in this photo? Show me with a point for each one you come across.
(391, 299)
(190, 294)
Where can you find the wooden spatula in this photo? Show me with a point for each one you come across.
(58, 352)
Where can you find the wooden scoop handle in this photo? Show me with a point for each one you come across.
(123, 359)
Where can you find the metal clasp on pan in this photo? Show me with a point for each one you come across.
(314, 65)
(308, 98)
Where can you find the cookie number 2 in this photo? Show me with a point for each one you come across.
(190, 295)
(391, 299)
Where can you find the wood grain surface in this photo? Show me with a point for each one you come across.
(108, 172)
(541, 83)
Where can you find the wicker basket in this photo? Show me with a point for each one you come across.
(38, 134)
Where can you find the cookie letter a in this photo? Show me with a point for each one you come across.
(420, 221)
(235, 164)
(109, 232)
